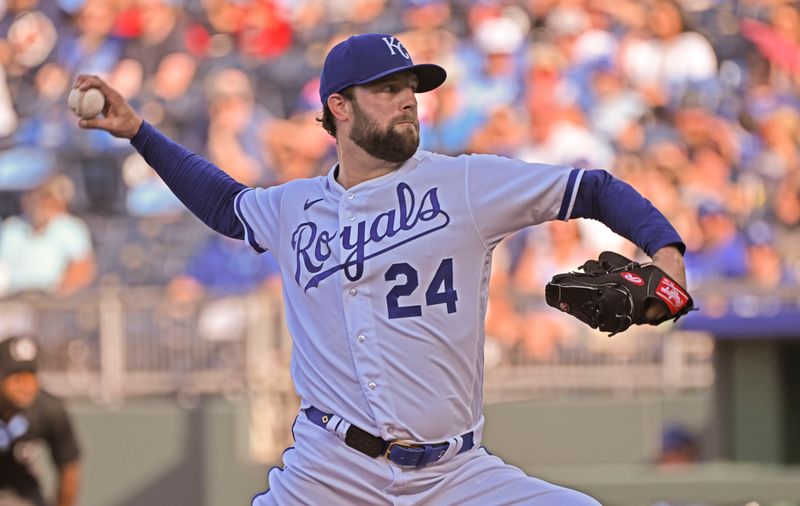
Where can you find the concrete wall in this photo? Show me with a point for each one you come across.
(154, 452)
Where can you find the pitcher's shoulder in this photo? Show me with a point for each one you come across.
(299, 185)
(304, 183)
(440, 159)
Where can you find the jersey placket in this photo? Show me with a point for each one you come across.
(357, 294)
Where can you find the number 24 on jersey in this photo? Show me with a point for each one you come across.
(440, 289)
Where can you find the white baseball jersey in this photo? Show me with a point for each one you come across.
(386, 283)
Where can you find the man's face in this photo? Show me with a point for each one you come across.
(385, 123)
(20, 388)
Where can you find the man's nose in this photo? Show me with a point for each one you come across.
(408, 99)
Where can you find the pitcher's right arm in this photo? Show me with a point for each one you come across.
(204, 189)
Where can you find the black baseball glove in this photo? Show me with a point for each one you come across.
(613, 293)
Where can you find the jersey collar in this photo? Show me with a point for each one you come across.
(407, 166)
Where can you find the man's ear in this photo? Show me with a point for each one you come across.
(339, 106)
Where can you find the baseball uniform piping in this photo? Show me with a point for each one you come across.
(249, 236)
(570, 194)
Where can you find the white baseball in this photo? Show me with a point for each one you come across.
(86, 104)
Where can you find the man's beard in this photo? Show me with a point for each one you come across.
(385, 144)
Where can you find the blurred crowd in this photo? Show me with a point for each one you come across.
(696, 103)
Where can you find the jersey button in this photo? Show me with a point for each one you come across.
(353, 291)
(361, 339)
(373, 385)
(350, 196)
(352, 217)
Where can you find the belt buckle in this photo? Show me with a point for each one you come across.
(401, 444)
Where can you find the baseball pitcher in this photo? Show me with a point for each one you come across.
(385, 264)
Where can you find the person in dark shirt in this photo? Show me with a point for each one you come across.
(31, 421)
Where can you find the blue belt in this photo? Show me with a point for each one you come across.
(399, 452)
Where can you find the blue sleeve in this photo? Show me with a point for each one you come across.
(615, 203)
(203, 188)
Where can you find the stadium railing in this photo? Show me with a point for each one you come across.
(114, 342)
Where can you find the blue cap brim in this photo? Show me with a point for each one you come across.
(430, 76)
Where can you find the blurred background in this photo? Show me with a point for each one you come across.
(168, 342)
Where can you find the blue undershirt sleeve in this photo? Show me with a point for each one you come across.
(204, 189)
(615, 203)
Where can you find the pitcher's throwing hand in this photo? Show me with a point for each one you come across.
(118, 118)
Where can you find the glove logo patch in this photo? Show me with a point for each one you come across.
(671, 294)
(563, 306)
(633, 278)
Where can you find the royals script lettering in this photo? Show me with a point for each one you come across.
(408, 221)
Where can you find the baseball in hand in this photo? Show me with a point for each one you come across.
(86, 104)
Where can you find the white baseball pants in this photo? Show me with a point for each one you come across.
(322, 469)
